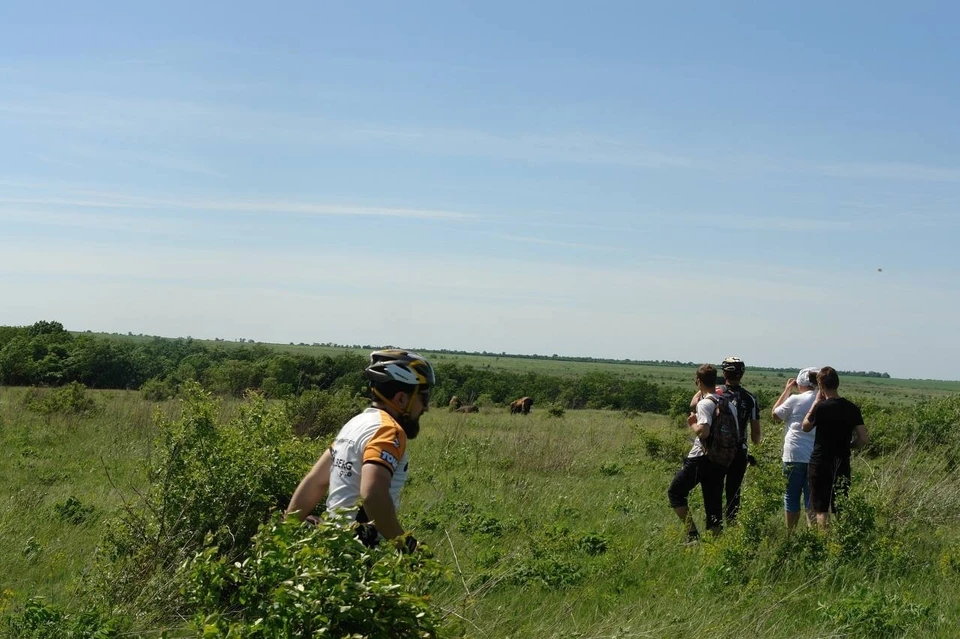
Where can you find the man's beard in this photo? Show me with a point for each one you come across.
(409, 425)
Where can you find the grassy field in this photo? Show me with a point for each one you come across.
(551, 527)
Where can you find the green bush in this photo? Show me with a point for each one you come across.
(666, 448)
(556, 411)
(611, 469)
(932, 425)
(71, 399)
(312, 581)
(866, 612)
(320, 414)
(36, 619)
(158, 390)
(211, 483)
(73, 510)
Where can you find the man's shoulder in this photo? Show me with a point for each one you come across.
(370, 419)
(709, 398)
(740, 392)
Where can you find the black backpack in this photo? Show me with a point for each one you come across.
(724, 439)
(741, 405)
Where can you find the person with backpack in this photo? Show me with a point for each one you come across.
(797, 445)
(838, 426)
(748, 414)
(714, 425)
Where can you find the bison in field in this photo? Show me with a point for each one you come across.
(468, 408)
(521, 405)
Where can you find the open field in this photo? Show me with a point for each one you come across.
(551, 527)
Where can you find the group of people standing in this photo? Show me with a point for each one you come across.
(363, 470)
(820, 428)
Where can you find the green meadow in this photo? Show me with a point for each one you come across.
(549, 525)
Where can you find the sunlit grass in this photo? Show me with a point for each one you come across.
(552, 527)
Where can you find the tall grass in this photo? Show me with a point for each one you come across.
(550, 526)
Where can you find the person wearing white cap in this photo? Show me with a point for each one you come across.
(797, 445)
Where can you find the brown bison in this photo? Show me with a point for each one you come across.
(468, 408)
(521, 405)
(455, 403)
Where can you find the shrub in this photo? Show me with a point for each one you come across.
(311, 581)
(556, 411)
(932, 425)
(863, 612)
(36, 619)
(320, 414)
(484, 401)
(212, 483)
(158, 390)
(72, 510)
(671, 449)
(611, 469)
(71, 399)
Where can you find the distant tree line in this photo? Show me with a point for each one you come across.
(636, 362)
(45, 354)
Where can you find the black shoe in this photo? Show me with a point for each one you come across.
(693, 537)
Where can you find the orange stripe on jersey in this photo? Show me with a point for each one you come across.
(387, 445)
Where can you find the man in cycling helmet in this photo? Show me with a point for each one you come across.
(748, 414)
(362, 472)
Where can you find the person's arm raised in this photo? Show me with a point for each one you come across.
(787, 390)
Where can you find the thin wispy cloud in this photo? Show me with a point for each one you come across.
(108, 112)
(55, 160)
(891, 171)
(248, 206)
(526, 239)
(777, 223)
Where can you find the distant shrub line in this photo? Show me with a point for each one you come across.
(45, 354)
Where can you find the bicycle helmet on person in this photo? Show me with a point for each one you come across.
(733, 366)
(392, 370)
(404, 367)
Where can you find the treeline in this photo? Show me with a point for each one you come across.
(606, 360)
(45, 354)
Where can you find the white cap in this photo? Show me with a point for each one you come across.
(807, 377)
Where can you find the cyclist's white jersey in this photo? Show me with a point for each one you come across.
(372, 437)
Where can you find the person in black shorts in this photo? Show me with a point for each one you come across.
(697, 467)
(839, 427)
(748, 414)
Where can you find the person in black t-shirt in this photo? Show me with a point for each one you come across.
(839, 427)
(748, 414)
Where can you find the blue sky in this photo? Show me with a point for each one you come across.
(612, 179)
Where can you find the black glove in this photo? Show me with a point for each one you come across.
(406, 544)
(751, 460)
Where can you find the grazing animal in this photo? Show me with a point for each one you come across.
(455, 403)
(469, 408)
(521, 405)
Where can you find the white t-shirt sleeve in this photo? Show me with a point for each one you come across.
(705, 408)
(785, 409)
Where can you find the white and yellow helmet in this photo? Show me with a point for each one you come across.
(405, 367)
